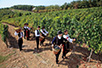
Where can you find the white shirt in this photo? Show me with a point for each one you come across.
(59, 37)
(45, 33)
(37, 35)
(68, 38)
(26, 27)
(21, 34)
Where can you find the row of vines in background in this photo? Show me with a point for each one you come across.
(83, 24)
(4, 32)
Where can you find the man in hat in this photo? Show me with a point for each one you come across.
(66, 43)
(19, 32)
(26, 31)
(44, 33)
(37, 35)
(58, 41)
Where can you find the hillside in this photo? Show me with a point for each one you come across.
(45, 58)
(77, 21)
(85, 25)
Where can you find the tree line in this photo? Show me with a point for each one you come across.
(82, 4)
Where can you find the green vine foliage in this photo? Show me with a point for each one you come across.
(83, 24)
(3, 31)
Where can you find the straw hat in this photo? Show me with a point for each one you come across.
(17, 28)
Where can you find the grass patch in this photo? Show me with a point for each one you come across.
(38, 55)
(4, 58)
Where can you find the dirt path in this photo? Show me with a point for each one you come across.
(44, 59)
(26, 58)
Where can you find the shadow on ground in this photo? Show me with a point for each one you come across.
(12, 41)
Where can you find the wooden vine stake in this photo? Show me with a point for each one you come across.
(89, 58)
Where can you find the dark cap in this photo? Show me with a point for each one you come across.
(65, 30)
(38, 26)
(43, 27)
(26, 24)
(59, 32)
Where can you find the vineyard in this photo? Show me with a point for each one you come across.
(83, 24)
(4, 31)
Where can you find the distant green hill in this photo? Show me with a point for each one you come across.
(23, 7)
